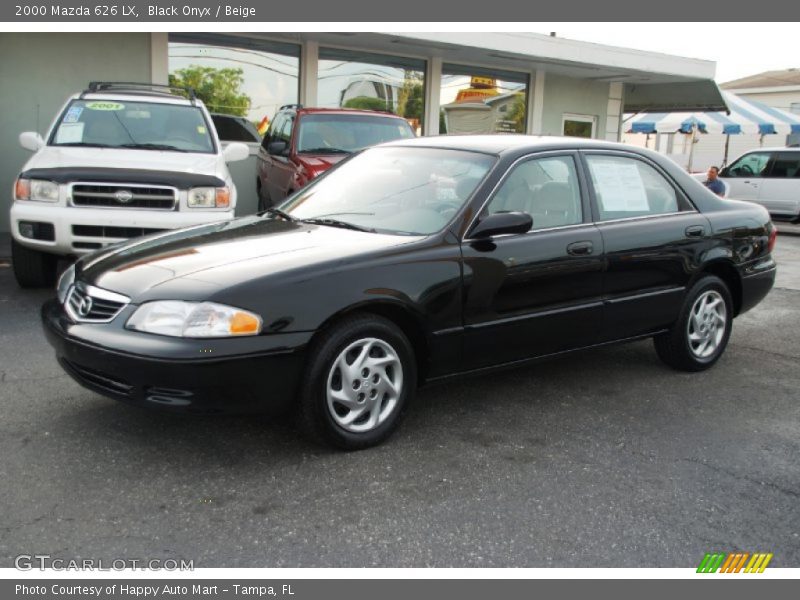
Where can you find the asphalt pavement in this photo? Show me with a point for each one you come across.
(605, 458)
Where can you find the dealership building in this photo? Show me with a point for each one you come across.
(441, 82)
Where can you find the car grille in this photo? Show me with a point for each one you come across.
(104, 231)
(123, 196)
(94, 305)
(95, 379)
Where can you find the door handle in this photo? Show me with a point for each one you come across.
(580, 248)
(695, 231)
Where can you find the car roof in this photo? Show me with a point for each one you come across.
(773, 149)
(346, 111)
(502, 143)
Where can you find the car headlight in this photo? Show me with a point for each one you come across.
(64, 283)
(36, 189)
(193, 319)
(209, 197)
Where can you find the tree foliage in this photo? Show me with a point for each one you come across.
(219, 89)
(367, 103)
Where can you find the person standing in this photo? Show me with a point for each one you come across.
(713, 182)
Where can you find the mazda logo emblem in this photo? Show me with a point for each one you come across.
(124, 196)
(85, 307)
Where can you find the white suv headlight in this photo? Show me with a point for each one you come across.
(193, 319)
(209, 197)
(64, 283)
(40, 190)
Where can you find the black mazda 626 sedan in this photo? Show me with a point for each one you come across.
(411, 262)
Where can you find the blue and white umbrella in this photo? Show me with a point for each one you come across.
(746, 117)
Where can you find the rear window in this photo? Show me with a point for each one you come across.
(332, 133)
(136, 125)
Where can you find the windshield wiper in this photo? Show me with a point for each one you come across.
(337, 223)
(277, 212)
(86, 144)
(325, 150)
(153, 147)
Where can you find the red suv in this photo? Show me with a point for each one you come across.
(302, 143)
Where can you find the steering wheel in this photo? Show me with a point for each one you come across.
(746, 170)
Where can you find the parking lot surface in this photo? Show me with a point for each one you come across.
(605, 458)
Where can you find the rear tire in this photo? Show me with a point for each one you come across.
(32, 268)
(700, 335)
(360, 376)
(264, 201)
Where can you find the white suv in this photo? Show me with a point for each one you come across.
(120, 160)
(767, 176)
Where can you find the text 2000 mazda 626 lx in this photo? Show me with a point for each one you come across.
(410, 262)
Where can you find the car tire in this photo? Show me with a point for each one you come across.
(700, 335)
(33, 269)
(264, 201)
(360, 376)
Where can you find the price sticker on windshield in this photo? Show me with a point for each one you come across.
(105, 106)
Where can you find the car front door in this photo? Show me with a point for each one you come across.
(780, 189)
(745, 176)
(539, 292)
(653, 237)
(282, 169)
(265, 159)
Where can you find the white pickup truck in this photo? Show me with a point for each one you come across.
(120, 160)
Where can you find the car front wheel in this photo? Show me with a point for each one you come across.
(700, 335)
(33, 269)
(360, 376)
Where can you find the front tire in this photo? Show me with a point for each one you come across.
(360, 376)
(33, 269)
(700, 335)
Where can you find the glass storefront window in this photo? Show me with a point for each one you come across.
(244, 77)
(479, 100)
(351, 79)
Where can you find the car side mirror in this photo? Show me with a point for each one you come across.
(502, 223)
(235, 151)
(30, 140)
(277, 147)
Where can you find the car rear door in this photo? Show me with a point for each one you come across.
(653, 237)
(780, 188)
(535, 293)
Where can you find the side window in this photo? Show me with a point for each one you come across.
(545, 188)
(750, 165)
(786, 165)
(286, 132)
(627, 187)
(272, 132)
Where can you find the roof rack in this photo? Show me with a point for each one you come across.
(133, 87)
(285, 106)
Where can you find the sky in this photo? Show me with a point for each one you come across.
(739, 49)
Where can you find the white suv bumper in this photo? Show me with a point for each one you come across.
(78, 230)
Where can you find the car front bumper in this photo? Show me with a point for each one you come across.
(79, 230)
(177, 374)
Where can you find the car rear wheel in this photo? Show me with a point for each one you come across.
(32, 268)
(700, 335)
(360, 376)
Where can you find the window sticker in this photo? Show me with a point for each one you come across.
(200, 129)
(620, 186)
(69, 133)
(105, 106)
(73, 114)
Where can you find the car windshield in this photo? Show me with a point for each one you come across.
(342, 133)
(136, 125)
(411, 190)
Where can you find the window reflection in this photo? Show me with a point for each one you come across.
(477, 100)
(234, 75)
(349, 79)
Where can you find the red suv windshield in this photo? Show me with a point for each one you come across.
(333, 133)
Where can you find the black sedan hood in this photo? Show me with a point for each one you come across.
(195, 262)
